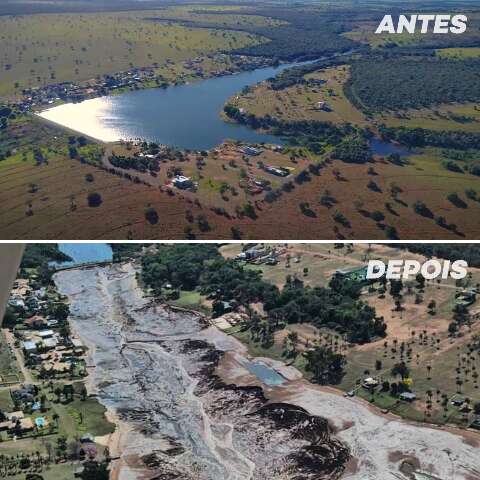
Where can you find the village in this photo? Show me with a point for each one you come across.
(46, 414)
(136, 78)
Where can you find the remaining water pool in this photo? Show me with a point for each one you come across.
(82, 253)
(266, 374)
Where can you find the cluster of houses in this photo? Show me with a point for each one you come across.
(42, 344)
(18, 423)
(49, 352)
(36, 97)
(260, 254)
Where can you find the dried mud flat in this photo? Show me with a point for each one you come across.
(164, 376)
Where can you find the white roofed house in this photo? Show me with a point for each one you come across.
(43, 334)
(182, 182)
(29, 347)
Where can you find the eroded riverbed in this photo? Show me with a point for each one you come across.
(156, 370)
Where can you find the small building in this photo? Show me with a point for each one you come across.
(370, 383)
(467, 297)
(87, 438)
(357, 274)
(182, 182)
(250, 151)
(26, 425)
(14, 416)
(408, 396)
(278, 171)
(29, 347)
(50, 343)
(77, 344)
(36, 322)
(457, 401)
(43, 334)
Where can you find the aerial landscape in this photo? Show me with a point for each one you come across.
(237, 120)
(239, 361)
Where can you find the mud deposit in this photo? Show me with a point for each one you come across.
(155, 370)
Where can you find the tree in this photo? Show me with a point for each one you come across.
(83, 393)
(151, 215)
(62, 446)
(94, 199)
(95, 471)
(400, 369)
(326, 366)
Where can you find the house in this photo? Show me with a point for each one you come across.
(278, 171)
(25, 394)
(467, 297)
(46, 334)
(78, 345)
(26, 425)
(251, 151)
(370, 383)
(87, 438)
(357, 274)
(36, 322)
(323, 106)
(182, 182)
(14, 416)
(457, 401)
(29, 347)
(50, 343)
(408, 396)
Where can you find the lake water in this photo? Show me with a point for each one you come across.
(184, 116)
(82, 253)
(266, 374)
(385, 149)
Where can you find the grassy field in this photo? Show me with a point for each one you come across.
(299, 102)
(464, 117)
(470, 52)
(42, 49)
(424, 334)
(9, 371)
(205, 15)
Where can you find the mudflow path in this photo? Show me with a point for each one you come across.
(154, 369)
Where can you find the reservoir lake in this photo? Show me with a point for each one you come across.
(185, 116)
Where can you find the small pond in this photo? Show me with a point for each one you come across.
(266, 374)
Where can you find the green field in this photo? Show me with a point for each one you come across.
(43, 49)
(9, 371)
(470, 52)
(465, 117)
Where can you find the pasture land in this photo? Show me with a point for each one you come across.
(467, 52)
(38, 50)
(464, 117)
(300, 102)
